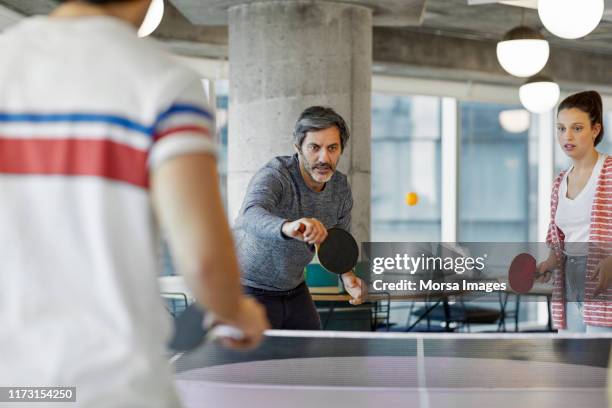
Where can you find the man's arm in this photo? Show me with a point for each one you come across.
(264, 194)
(186, 198)
(188, 204)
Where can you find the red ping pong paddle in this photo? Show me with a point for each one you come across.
(523, 273)
(339, 252)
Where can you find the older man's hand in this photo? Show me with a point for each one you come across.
(355, 287)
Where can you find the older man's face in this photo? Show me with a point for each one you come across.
(321, 150)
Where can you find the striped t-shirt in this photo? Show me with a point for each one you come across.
(86, 111)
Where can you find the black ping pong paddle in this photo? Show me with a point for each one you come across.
(191, 330)
(339, 252)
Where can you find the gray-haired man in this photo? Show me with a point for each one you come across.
(304, 188)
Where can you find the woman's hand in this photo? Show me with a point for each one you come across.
(545, 268)
(603, 274)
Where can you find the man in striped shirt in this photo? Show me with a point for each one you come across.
(102, 140)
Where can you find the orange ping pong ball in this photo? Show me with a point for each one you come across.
(412, 198)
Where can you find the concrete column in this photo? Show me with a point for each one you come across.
(284, 57)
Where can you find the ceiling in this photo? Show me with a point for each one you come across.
(487, 19)
(471, 19)
(455, 39)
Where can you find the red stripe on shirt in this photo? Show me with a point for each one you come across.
(75, 157)
(180, 129)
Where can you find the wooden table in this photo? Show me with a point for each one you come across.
(334, 295)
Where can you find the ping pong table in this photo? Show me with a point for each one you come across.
(362, 369)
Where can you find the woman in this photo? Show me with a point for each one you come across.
(580, 231)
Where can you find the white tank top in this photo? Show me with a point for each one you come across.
(573, 216)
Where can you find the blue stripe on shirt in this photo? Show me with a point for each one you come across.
(109, 119)
(183, 108)
(76, 117)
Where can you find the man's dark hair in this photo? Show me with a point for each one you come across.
(319, 118)
(590, 103)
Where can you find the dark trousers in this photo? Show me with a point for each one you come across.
(291, 309)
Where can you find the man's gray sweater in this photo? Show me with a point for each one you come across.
(276, 194)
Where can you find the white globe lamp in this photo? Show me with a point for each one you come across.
(539, 94)
(152, 19)
(570, 19)
(523, 52)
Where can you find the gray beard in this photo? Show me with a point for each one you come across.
(310, 170)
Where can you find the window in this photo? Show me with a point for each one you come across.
(498, 177)
(406, 156)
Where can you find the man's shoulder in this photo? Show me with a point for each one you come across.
(281, 162)
(153, 62)
(110, 38)
(279, 165)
